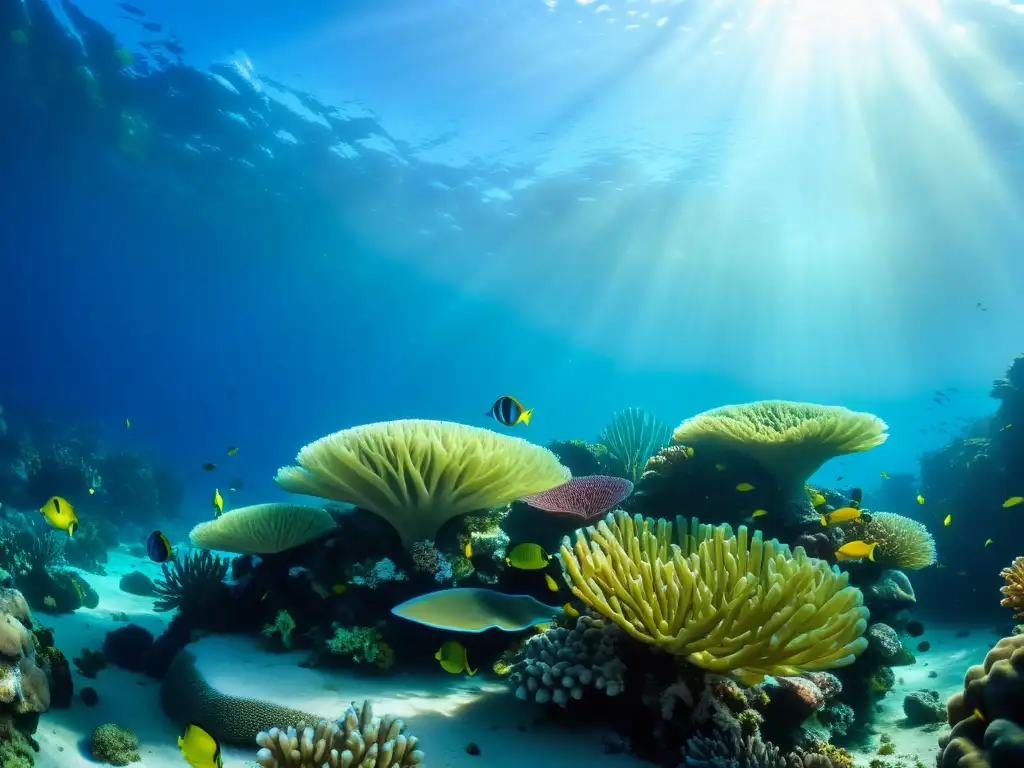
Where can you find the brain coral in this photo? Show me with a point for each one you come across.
(902, 542)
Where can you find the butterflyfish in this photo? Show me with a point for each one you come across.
(232, 450)
(759, 513)
(744, 487)
(509, 411)
(920, 499)
(527, 557)
(61, 515)
(855, 550)
(199, 748)
(817, 500)
(947, 520)
(218, 501)
(841, 515)
(92, 491)
(987, 542)
(1013, 501)
(552, 585)
(452, 656)
(885, 475)
(158, 547)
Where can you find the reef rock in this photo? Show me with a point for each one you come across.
(892, 592)
(923, 708)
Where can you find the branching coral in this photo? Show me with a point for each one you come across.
(1014, 589)
(733, 604)
(902, 542)
(355, 739)
(191, 583)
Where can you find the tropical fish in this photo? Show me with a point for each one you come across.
(209, 466)
(759, 513)
(528, 557)
(838, 478)
(1013, 501)
(468, 549)
(127, 423)
(978, 714)
(841, 515)
(199, 748)
(61, 515)
(571, 612)
(817, 500)
(885, 475)
(689, 452)
(540, 629)
(1005, 427)
(232, 450)
(947, 520)
(552, 585)
(452, 656)
(856, 497)
(78, 590)
(92, 491)
(218, 502)
(855, 550)
(744, 487)
(920, 499)
(987, 542)
(158, 547)
(509, 411)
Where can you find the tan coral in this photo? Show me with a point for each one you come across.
(356, 740)
(23, 685)
(1014, 589)
(902, 542)
(263, 529)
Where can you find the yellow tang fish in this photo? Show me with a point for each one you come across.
(744, 487)
(199, 748)
(759, 513)
(540, 629)
(987, 542)
(842, 515)
(528, 557)
(232, 450)
(885, 475)
(1013, 501)
(920, 499)
(452, 656)
(552, 585)
(61, 515)
(468, 550)
(948, 519)
(855, 550)
(218, 502)
(817, 500)
(92, 491)
(689, 452)
(571, 612)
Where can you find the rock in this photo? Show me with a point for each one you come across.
(136, 583)
(924, 708)
(891, 592)
(885, 644)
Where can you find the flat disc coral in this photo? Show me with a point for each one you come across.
(262, 529)
(418, 474)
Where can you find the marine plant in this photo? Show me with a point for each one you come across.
(191, 584)
(728, 603)
(418, 474)
(902, 543)
(359, 644)
(1013, 591)
(632, 437)
(282, 628)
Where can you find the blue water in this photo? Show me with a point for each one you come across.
(406, 210)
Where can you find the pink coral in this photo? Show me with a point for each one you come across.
(586, 497)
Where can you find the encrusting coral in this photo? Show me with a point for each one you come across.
(418, 474)
(357, 739)
(262, 529)
(902, 543)
(114, 745)
(1014, 590)
(729, 604)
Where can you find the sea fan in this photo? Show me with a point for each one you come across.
(192, 584)
(586, 497)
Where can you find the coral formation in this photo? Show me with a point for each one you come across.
(263, 529)
(137, 583)
(632, 437)
(357, 738)
(24, 687)
(114, 745)
(190, 583)
(418, 474)
(1013, 590)
(728, 603)
(902, 542)
(362, 645)
(923, 708)
(562, 663)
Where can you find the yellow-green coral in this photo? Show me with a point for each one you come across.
(728, 603)
(902, 543)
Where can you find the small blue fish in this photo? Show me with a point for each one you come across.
(158, 547)
(510, 412)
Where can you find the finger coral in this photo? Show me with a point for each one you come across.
(728, 603)
(1014, 589)
(418, 474)
(902, 543)
(356, 739)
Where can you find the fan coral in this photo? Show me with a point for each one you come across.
(792, 440)
(564, 663)
(733, 604)
(263, 529)
(357, 738)
(585, 497)
(1014, 589)
(191, 584)
(419, 474)
(902, 542)
(632, 437)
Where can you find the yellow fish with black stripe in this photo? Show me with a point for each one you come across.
(528, 557)
(509, 412)
(453, 658)
(199, 748)
(60, 514)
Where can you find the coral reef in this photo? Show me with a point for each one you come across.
(923, 708)
(632, 437)
(24, 686)
(902, 543)
(263, 529)
(193, 584)
(114, 745)
(1013, 590)
(357, 738)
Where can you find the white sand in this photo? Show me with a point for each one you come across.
(444, 711)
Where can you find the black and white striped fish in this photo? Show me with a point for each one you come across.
(509, 411)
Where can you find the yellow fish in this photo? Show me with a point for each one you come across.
(720, 467)
(540, 629)
(885, 475)
(127, 423)
(510, 412)
(855, 550)
(948, 519)
(759, 513)
(60, 515)
(689, 452)
(218, 502)
(817, 500)
(744, 487)
(550, 582)
(978, 714)
(340, 588)
(232, 450)
(571, 612)
(987, 542)
(842, 515)
(452, 656)
(920, 499)
(528, 557)
(199, 748)
(78, 591)
(92, 491)
(468, 550)
(1013, 501)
